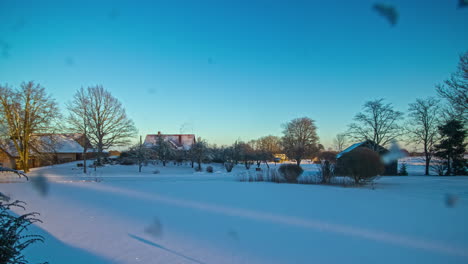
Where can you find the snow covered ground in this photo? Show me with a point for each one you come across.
(117, 215)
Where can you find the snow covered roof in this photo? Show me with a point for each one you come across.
(368, 143)
(355, 145)
(177, 141)
(59, 143)
(50, 143)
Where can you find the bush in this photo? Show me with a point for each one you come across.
(198, 169)
(228, 166)
(290, 172)
(361, 164)
(12, 238)
(156, 172)
(329, 156)
(127, 161)
(209, 169)
(326, 171)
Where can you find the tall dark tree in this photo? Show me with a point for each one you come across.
(24, 112)
(455, 91)
(423, 126)
(452, 147)
(300, 139)
(378, 122)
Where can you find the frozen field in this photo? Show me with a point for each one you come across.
(179, 216)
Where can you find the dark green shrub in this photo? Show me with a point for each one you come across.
(209, 169)
(290, 172)
(361, 164)
(13, 239)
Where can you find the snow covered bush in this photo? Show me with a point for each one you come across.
(209, 169)
(269, 175)
(228, 166)
(361, 164)
(13, 239)
(290, 172)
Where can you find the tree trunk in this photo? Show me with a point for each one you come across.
(428, 161)
(298, 161)
(84, 160)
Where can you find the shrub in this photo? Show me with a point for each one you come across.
(290, 172)
(361, 164)
(156, 172)
(198, 169)
(127, 161)
(209, 169)
(439, 167)
(12, 238)
(329, 156)
(228, 166)
(403, 170)
(326, 171)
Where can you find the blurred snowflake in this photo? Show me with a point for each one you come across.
(40, 184)
(155, 228)
(387, 11)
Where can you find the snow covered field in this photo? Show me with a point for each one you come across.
(180, 216)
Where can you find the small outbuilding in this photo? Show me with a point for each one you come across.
(390, 168)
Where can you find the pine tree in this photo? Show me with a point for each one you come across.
(451, 147)
(403, 170)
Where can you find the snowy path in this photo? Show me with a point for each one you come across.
(212, 219)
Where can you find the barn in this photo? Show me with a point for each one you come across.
(390, 168)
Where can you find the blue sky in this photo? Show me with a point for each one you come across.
(226, 70)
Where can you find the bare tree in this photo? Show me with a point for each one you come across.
(340, 142)
(78, 119)
(423, 126)
(199, 152)
(300, 138)
(163, 149)
(455, 91)
(378, 122)
(108, 122)
(24, 112)
(141, 154)
(271, 144)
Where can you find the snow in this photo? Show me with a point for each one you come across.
(117, 215)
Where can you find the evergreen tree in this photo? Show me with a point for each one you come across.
(403, 170)
(452, 147)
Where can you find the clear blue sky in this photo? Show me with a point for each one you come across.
(233, 69)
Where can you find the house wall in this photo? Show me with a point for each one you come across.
(66, 157)
(6, 161)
